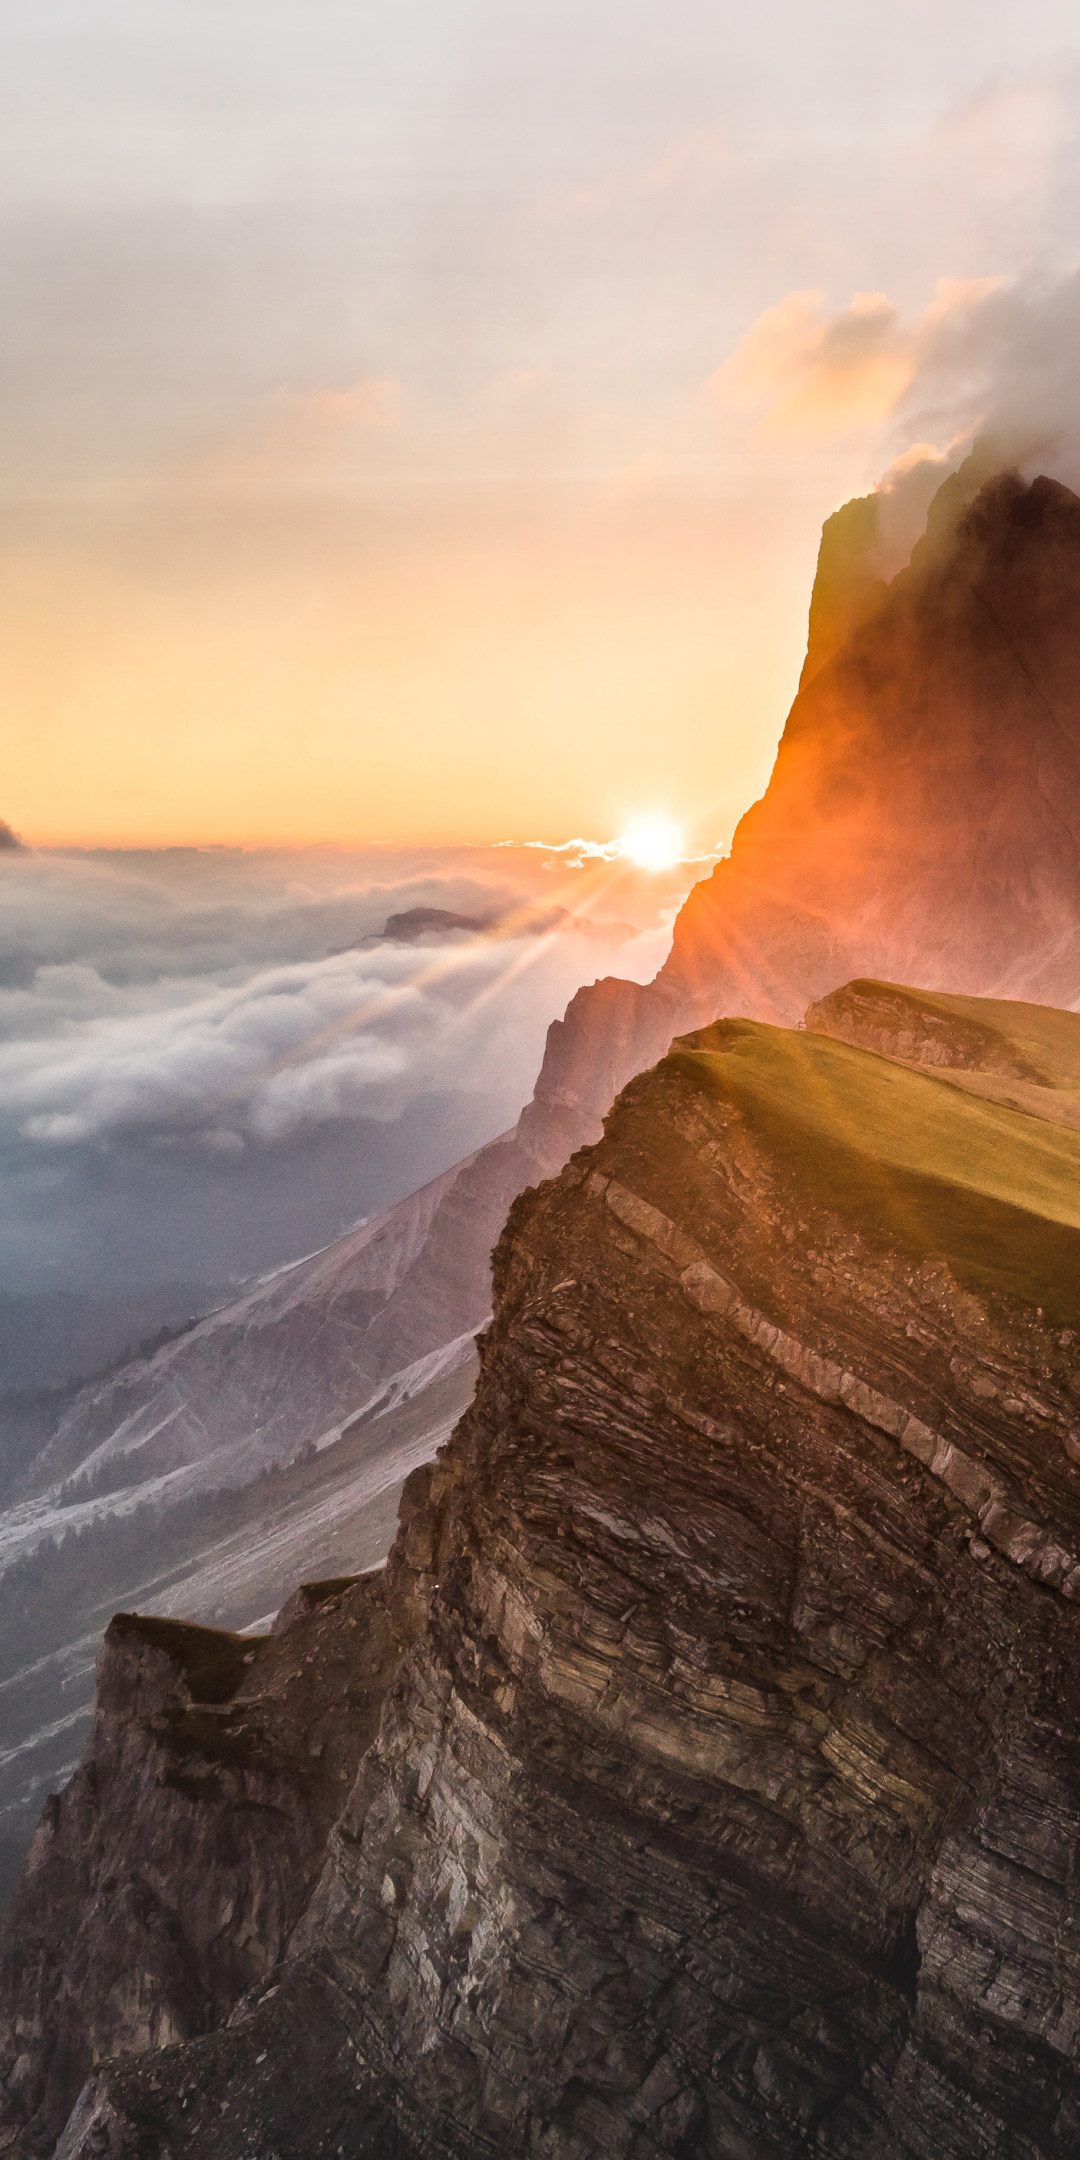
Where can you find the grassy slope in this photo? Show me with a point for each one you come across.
(1046, 1039)
(1041, 1042)
(990, 1188)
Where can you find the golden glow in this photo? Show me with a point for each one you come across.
(652, 841)
(499, 676)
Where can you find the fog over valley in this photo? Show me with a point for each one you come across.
(214, 1060)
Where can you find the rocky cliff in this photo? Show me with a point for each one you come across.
(726, 1788)
(268, 1441)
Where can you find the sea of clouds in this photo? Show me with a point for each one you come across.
(212, 1060)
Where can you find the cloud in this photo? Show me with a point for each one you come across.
(815, 377)
(990, 361)
(10, 842)
(213, 1059)
(131, 1064)
(1007, 137)
(993, 360)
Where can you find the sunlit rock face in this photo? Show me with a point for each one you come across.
(725, 1797)
(923, 819)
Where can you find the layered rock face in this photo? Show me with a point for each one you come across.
(171, 1872)
(726, 1796)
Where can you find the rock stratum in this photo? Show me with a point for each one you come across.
(702, 1776)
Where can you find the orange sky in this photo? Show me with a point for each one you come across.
(424, 426)
(503, 678)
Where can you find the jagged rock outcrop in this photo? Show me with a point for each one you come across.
(726, 1799)
(848, 580)
(915, 1028)
(169, 1875)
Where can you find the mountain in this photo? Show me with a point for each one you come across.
(419, 923)
(925, 804)
(921, 823)
(701, 1777)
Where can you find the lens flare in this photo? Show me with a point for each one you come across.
(652, 841)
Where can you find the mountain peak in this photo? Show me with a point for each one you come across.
(923, 813)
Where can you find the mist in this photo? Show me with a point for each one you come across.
(212, 1060)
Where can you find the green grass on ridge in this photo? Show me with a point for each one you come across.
(1043, 1037)
(988, 1188)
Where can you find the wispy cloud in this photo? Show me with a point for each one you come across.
(815, 376)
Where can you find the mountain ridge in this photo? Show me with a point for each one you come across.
(722, 1784)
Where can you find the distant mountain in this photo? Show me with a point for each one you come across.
(418, 923)
(264, 1444)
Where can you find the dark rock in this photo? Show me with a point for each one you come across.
(169, 1875)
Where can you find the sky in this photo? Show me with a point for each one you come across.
(416, 427)
(417, 422)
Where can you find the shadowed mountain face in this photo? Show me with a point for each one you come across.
(723, 1789)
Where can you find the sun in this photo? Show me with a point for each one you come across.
(652, 841)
